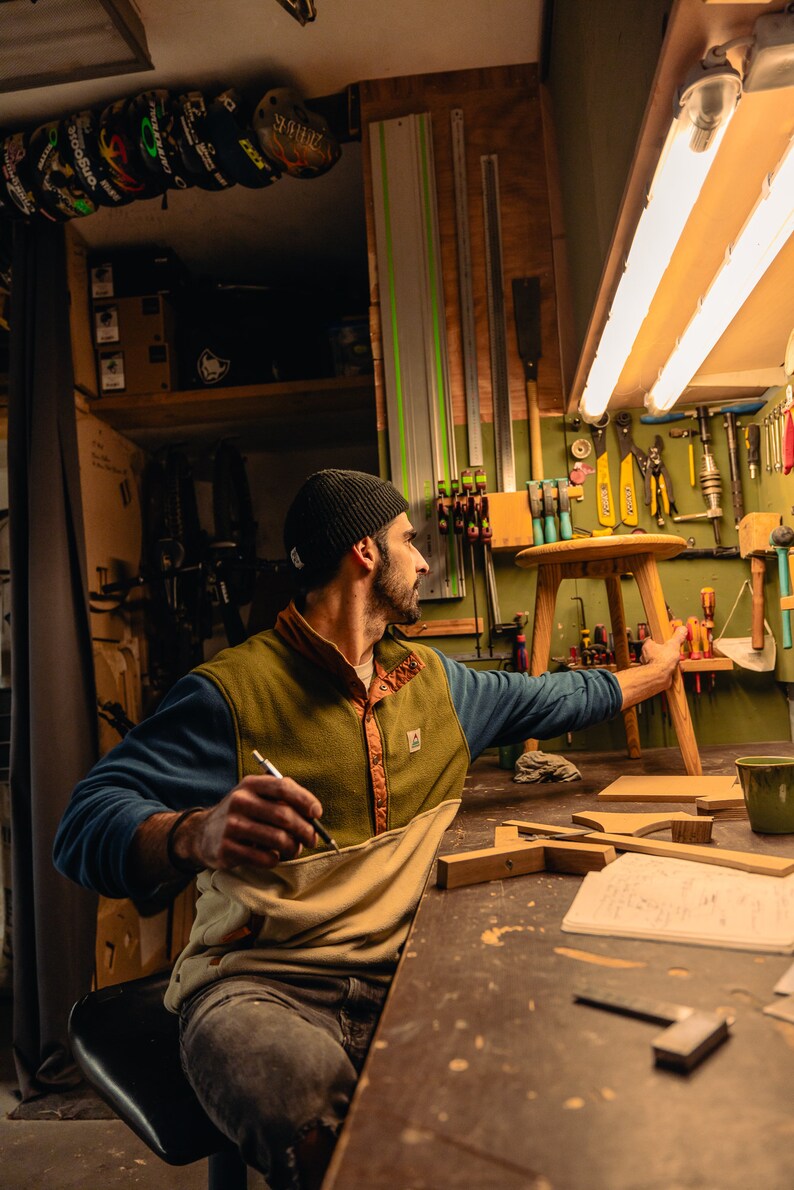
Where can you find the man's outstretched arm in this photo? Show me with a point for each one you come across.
(655, 673)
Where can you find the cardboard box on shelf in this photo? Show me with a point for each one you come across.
(137, 370)
(134, 321)
(130, 273)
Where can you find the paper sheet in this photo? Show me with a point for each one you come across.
(645, 896)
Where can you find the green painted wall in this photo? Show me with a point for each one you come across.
(743, 706)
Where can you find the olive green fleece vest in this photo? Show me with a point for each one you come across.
(302, 718)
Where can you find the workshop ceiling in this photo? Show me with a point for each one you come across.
(297, 228)
(748, 358)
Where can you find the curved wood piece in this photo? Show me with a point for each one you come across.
(645, 824)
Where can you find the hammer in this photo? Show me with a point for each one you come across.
(781, 540)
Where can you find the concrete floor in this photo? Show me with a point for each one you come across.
(80, 1154)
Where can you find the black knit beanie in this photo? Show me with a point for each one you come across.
(333, 510)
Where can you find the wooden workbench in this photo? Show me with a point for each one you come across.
(484, 1073)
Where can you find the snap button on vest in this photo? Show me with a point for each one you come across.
(383, 686)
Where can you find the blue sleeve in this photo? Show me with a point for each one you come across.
(498, 707)
(183, 755)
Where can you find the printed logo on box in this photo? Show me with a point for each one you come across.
(111, 372)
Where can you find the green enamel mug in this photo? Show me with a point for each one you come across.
(768, 788)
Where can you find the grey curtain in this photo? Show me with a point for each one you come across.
(53, 724)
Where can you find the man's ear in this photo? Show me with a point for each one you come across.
(365, 552)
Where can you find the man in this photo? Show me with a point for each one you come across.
(294, 943)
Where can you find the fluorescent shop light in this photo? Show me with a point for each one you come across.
(704, 106)
(766, 230)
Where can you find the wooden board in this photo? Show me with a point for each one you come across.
(726, 807)
(666, 789)
(498, 863)
(635, 824)
(502, 115)
(463, 627)
(745, 861)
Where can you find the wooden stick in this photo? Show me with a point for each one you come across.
(746, 861)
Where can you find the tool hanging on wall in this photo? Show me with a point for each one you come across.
(534, 491)
(752, 440)
(781, 540)
(494, 282)
(605, 506)
(526, 308)
(689, 435)
(754, 531)
(468, 333)
(486, 536)
(729, 422)
(414, 341)
(658, 484)
(564, 510)
(629, 451)
(709, 476)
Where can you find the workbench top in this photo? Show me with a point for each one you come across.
(484, 1073)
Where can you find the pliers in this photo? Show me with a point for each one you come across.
(629, 512)
(658, 484)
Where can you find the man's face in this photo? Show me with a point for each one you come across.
(395, 585)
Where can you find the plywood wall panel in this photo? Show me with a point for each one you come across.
(502, 115)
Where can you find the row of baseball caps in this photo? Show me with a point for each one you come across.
(157, 141)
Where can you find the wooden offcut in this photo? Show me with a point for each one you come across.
(498, 863)
(667, 789)
(683, 824)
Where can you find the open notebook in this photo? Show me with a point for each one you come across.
(672, 900)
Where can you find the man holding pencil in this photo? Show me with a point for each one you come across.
(308, 881)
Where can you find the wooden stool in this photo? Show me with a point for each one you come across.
(608, 558)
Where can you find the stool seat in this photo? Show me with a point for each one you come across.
(608, 558)
(591, 549)
(126, 1043)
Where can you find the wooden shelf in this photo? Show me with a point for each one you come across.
(279, 415)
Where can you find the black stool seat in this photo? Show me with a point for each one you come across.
(127, 1045)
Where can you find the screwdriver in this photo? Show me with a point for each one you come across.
(273, 772)
(695, 651)
(708, 601)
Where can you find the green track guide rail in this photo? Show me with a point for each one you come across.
(413, 324)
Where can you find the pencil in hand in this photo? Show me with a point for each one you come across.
(319, 828)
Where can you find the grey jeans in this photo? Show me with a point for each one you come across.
(271, 1059)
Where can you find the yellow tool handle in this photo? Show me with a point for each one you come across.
(692, 483)
(665, 498)
(629, 513)
(606, 515)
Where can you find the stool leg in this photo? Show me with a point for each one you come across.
(646, 576)
(617, 618)
(549, 579)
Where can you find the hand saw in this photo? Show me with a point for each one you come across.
(604, 502)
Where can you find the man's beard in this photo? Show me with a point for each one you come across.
(392, 594)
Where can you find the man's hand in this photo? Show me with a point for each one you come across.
(262, 821)
(659, 663)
